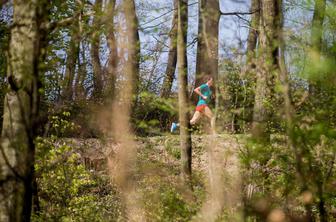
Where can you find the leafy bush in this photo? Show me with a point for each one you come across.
(67, 190)
(153, 115)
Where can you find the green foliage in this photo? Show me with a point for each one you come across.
(67, 190)
(236, 97)
(171, 206)
(152, 114)
(164, 196)
(175, 152)
(75, 119)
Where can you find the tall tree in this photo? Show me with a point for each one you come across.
(72, 55)
(172, 56)
(316, 90)
(267, 68)
(133, 45)
(185, 136)
(95, 46)
(317, 25)
(112, 44)
(207, 44)
(21, 108)
(316, 41)
(253, 35)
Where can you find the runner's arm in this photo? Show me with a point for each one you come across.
(198, 91)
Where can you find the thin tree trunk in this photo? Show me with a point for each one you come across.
(207, 44)
(79, 92)
(172, 57)
(112, 44)
(81, 75)
(316, 41)
(70, 67)
(185, 136)
(21, 107)
(317, 26)
(95, 46)
(133, 45)
(267, 69)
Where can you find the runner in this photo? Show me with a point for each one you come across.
(202, 107)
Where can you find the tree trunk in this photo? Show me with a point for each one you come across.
(133, 45)
(21, 108)
(122, 164)
(112, 44)
(317, 26)
(81, 75)
(253, 37)
(207, 44)
(70, 67)
(185, 136)
(315, 87)
(95, 46)
(267, 69)
(172, 57)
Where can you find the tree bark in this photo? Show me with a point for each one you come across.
(133, 45)
(112, 44)
(185, 136)
(95, 46)
(21, 109)
(267, 69)
(207, 44)
(81, 75)
(172, 57)
(253, 36)
(70, 67)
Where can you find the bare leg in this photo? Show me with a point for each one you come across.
(196, 117)
(208, 113)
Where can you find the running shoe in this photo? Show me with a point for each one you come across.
(173, 127)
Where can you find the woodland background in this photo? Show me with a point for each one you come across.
(88, 90)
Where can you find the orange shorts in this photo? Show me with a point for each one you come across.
(201, 108)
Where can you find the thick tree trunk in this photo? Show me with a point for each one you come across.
(267, 69)
(21, 108)
(207, 44)
(185, 136)
(95, 46)
(172, 57)
(112, 44)
(70, 67)
(133, 45)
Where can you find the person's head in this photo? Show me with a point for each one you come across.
(208, 80)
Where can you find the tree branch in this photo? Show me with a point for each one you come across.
(238, 13)
(145, 23)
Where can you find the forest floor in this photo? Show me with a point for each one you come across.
(215, 192)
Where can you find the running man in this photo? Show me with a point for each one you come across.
(202, 107)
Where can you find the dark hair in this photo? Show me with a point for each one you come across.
(206, 78)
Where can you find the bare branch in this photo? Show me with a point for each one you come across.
(238, 13)
(164, 14)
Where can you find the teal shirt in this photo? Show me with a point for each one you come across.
(205, 90)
